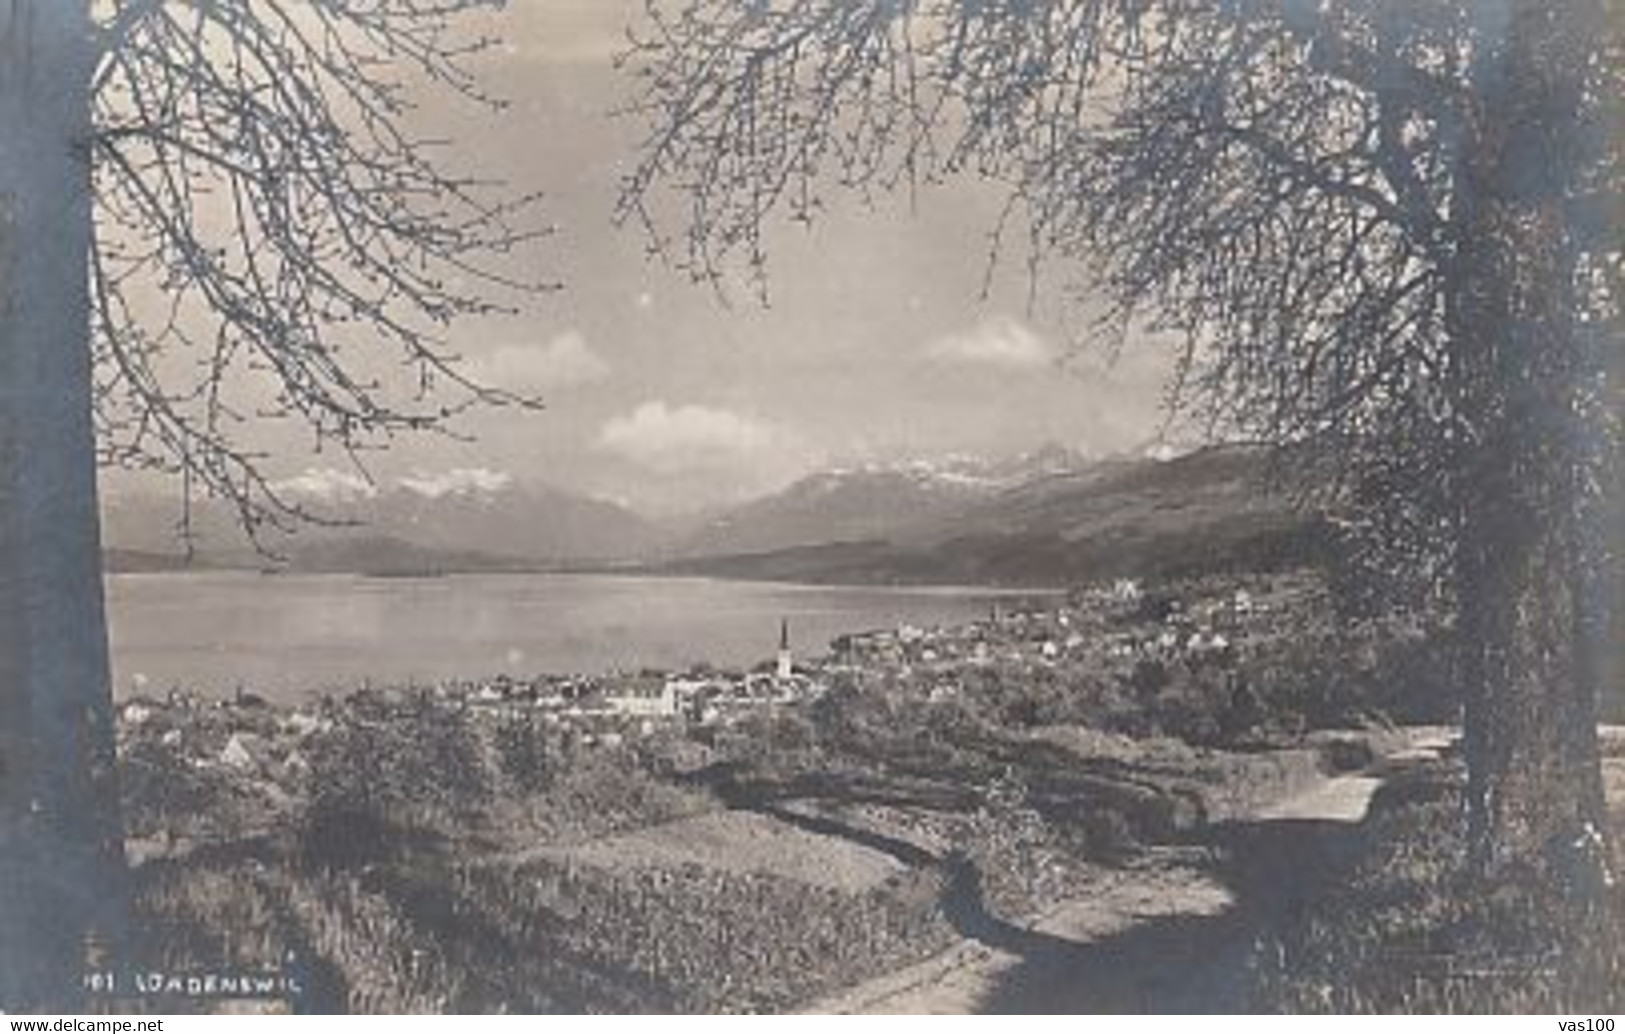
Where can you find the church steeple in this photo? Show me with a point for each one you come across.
(785, 667)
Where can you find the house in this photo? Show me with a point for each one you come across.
(245, 752)
(303, 723)
(136, 713)
(644, 696)
(1127, 591)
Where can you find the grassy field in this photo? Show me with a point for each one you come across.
(444, 932)
(735, 842)
(696, 907)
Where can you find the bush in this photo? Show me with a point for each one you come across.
(1414, 931)
(420, 764)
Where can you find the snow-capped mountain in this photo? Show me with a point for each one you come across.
(966, 471)
(1204, 510)
(474, 517)
(954, 516)
(872, 501)
(508, 518)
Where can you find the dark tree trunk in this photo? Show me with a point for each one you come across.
(61, 854)
(1530, 392)
(1534, 780)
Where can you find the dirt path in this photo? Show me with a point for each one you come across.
(1168, 935)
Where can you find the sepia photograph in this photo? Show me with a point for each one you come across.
(812, 507)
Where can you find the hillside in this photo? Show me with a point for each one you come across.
(1049, 518)
(869, 502)
(468, 523)
(1208, 510)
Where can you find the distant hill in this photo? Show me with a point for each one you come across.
(1047, 518)
(1208, 510)
(870, 502)
(479, 521)
(535, 522)
(383, 556)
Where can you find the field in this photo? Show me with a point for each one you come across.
(739, 843)
(753, 907)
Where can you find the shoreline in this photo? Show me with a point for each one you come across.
(299, 637)
(166, 567)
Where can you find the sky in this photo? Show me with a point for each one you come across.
(877, 344)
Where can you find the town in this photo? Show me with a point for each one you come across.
(1095, 629)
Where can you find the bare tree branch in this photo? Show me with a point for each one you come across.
(272, 237)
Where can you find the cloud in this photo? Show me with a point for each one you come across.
(326, 485)
(574, 30)
(563, 362)
(689, 439)
(458, 481)
(998, 341)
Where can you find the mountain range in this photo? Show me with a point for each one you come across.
(1207, 510)
(465, 520)
(1049, 517)
(871, 501)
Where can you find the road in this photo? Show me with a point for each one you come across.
(1170, 934)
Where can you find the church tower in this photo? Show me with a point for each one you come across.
(785, 667)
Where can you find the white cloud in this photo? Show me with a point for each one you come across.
(563, 362)
(684, 439)
(326, 485)
(457, 481)
(999, 341)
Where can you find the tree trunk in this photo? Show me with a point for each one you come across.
(61, 853)
(1530, 394)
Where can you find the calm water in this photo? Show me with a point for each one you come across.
(293, 635)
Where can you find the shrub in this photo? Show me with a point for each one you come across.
(1414, 931)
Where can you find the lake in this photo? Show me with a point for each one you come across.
(292, 636)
